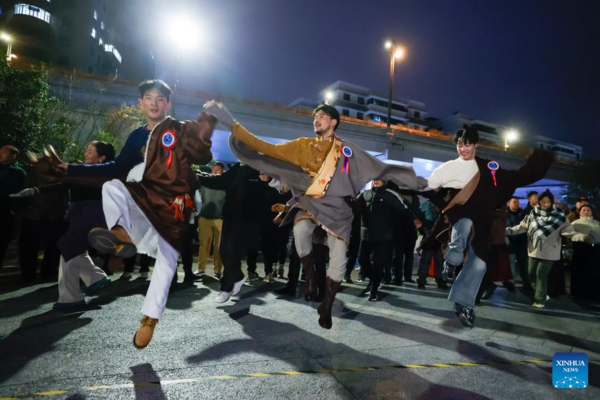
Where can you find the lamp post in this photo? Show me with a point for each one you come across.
(8, 39)
(510, 136)
(395, 53)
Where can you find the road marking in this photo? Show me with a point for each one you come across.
(283, 373)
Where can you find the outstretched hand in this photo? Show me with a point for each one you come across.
(220, 112)
(49, 167)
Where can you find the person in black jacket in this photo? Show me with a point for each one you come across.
(378, 206)
(518, 244)
(244, 200)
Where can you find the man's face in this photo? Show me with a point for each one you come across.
(533, 200)
(466, 151)
(585, 212)
(513, 204)
(155, 104)
(6, 157)
(378, 183)
(545, 203)
(217, 170)
(323, 123)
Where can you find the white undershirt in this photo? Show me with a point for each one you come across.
(453, 174)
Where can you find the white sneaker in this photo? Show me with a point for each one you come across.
(269, 278)
(126, 275)
(144, 275)
(222, 297)
(238, 286)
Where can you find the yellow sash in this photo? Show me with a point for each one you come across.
(321, 181)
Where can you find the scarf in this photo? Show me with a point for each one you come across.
(542, 223)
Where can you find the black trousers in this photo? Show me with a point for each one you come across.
(6, 228)
(34, 235)
(353, 249)
(187, 248)
(283, 238)
(381, 255)
(144, 263)
(492, 261)
(404, 258)
(425, 263)
(237, 238)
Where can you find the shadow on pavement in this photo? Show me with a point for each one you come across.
(34, 337)
(147, 383)
(262, 331)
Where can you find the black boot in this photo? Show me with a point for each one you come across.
(324, 309)
(466, 315)
(310, 287)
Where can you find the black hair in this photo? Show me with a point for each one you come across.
(157, 84)
(532, 193)
(219, 164)
(468, 135)
(104, 149)
(329, 110)
(588, 206)
(547, 193)
(514, 197)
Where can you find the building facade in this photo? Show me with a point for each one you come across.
(81, 35)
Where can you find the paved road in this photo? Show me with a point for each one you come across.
(410, 345)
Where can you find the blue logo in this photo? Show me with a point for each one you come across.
(570, 370)
(347, 151)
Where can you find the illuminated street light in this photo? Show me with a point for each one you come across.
(183, 32)
(510, 136)
(395, 53)
(8, 39)
(329, 96)
(399, 54)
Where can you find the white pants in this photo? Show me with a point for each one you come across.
(120, 209)
(69, 272)
(303, 231)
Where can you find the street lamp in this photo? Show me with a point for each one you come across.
(8, 39)
(329, 96)
(184, 34)
(395, 53)
(510, 136)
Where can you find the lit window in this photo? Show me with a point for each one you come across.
(108, 48)
(93, 33)
(32, 11)
(102, 25)
(117, 55)
(100, 42)
(95, 15)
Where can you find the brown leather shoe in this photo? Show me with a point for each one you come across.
(143, 336)
(115, 241)
(324, 310)
(310, 287)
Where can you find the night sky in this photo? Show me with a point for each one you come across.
(531, 65)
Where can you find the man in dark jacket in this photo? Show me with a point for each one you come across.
(244, 201)
(12, 178)
(378, 206)
(518, 243)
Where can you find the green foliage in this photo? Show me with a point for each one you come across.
(585, 182)
(24, 104)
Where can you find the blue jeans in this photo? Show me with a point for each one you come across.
(465, 287)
